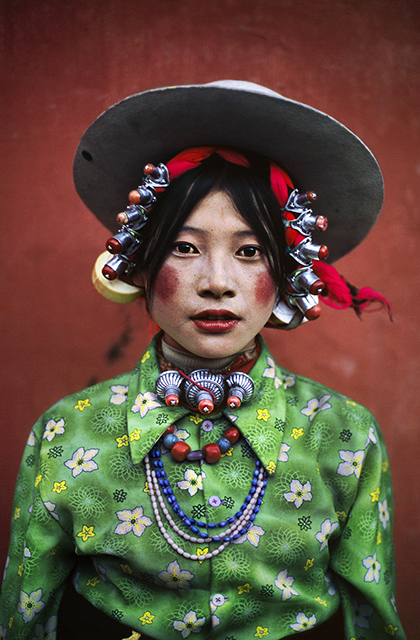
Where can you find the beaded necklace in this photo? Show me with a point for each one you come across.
(238, 525)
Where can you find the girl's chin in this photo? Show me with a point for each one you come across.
(210, 347)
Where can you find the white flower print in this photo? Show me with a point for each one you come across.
(31, 439)
(283, 456)
(252, 535)
(2, 632)
(53, 428)
(303, 622)
(284, 583)
(270, 372)
(51, 506)
(119, 394)
(288, 381)
(332, 589)
(47, 632)
(315, 406)
(145, 403)
(361, 613)
(325, 534)
(371, 437)
(190, 624)
(373, 567)
(30, 605)
(192, 482)
(133, 521)
(82, 461)
(175, 578)
(352, 463)
(383, 513)
(298, 493)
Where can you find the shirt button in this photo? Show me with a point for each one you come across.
(207, 425)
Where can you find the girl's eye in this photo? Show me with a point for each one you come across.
(185, 248)
(249, 252)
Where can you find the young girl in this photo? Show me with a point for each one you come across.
(209, 491)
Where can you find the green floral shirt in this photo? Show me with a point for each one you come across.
(321, 539)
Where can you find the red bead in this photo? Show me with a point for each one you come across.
(170, 429)
(172, 400)
(180, 450)
(323, 252)
(134, 197)
(321, 223)
(148, 169)
(211, 452)
(109, 273)
(232, 434)
(205, 406)
(313, 313)
(233, 402)
(113, 245)
(316, 287)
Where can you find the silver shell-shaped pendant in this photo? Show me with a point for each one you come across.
(168, 387)
(241, 388)
(204, 390)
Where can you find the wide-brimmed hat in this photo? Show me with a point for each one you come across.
(318, 153)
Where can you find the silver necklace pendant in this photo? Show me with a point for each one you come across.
(241, 388)
(204, 390)
(168, 387)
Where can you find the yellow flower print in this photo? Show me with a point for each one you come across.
(245, 588)
(309, 564)
(261, 631)
(38, 480)
(82, 404)
(20, 570)
(145, 357)
(146, 618)
(146, 488)
(385, 466)
(11, 621)
(196, 419)
(54, 550)
(202, 552)
(135, 435)
(379, 538)
(271, 468)
(323, 602)
(92, 582)
(391, 630)
(17, 513)
(126, 568)
(122, 441)
(375, 495)
(263, 414)
(59, 486)
(296, 433)
(86, 532)
(341, 515)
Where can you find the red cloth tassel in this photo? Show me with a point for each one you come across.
(340, 294)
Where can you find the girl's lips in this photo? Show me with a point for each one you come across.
(215, 321)
(215, 326)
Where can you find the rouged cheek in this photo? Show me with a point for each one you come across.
(166, 283)
(264, 288)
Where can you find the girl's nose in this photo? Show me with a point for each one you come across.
(216, 281)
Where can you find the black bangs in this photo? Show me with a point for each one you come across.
(250, 193)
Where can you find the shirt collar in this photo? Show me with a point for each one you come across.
(260, 420)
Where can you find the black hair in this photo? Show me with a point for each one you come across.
(250, 193)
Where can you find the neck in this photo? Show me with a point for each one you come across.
(189, 362)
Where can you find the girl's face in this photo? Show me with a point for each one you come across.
(214, 292)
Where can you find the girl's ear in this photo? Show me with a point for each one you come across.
(116, 290)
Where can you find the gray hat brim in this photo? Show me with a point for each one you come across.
(318, 152)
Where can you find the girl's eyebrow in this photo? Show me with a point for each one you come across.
(241, 233)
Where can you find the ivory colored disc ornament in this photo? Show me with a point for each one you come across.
(114, 290)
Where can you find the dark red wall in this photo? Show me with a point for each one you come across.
(63, 62)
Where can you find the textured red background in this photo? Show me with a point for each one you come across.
(63, 62)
